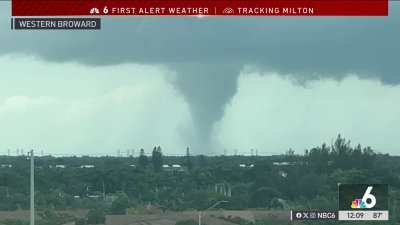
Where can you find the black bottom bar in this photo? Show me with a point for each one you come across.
(314, 215)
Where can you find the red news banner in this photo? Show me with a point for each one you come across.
(199, 8)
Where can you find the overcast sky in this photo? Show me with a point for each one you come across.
(266, 83)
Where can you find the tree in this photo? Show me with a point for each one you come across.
(352, 176)
(105, 180)
(318, 159)
(241, 197)
(202, 161)
(120, 205)
(96, 216)
(157, 159)
(342, 152)
(80, 221)
(290, 156)
(368, 158)
(211, 179)
(143, 160)
(49, 217)
(14, 222)
(263, 196)
(188, 160)
(356, 157)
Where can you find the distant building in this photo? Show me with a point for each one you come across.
(175, 167)
(87, 166)
(60, 166)
(282, 164)
(246, 165)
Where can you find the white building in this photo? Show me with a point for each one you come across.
(87, 166)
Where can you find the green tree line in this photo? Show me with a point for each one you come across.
(307, 180)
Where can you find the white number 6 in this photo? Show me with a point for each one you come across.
(368, 195)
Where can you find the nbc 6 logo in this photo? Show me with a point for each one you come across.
(363, 196)
(367, 196)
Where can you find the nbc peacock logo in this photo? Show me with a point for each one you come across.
(358, 204)
(362, 203)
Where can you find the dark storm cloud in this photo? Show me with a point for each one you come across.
(208, 53)
(289, 45)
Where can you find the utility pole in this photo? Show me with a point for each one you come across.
(32, 211)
